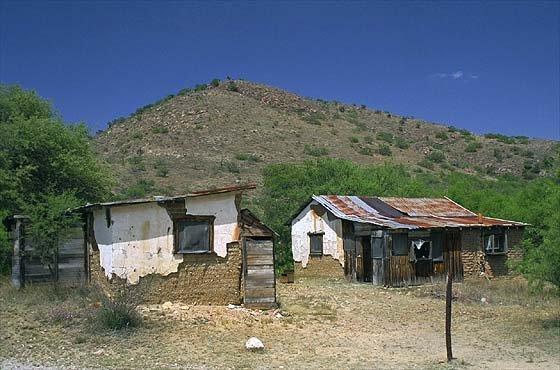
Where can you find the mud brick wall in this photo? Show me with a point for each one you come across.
(323, 266)
(475, 260)
(200, 279)
(472, 254)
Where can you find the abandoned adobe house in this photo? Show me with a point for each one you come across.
(399, 241)
(198, 248)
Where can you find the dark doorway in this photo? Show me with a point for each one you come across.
(368, 263)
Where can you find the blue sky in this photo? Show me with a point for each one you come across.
(487, 67)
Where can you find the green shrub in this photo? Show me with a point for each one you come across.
(160, 130)
(314, 118)
(139, 190)
(385, 136)
(137, 163)
(368, 139)
(521, 139)
(528, 154)
(137, 135)
(229, 166)
(231, 86)
(501, 138)
(442, 135)
(436, 156)
(354, 139)
(161, 168)
(452, 129)
(247, 157)
(465, 133)
(498, 155)
(215, 82)
(385, 150)
(365, 150)
(401, 143)
(473, 147)
(118, 311)
(426, 164)
(200, 87)
(315, 151)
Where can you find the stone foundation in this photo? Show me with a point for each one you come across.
(200, 279)
(323, 266)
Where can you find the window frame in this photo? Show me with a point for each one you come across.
(425, 240)
(316, 234)
(495, 251)
(193, 218)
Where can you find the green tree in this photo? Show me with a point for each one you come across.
(42, 159)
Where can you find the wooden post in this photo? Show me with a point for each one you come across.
(16, 257)
(448, 298)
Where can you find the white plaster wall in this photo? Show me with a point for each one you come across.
(222, 206)
(138, 242)
(309, 222)
(140, 238)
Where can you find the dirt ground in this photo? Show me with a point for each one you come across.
(326, 324)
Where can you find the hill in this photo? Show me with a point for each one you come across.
(227, 131)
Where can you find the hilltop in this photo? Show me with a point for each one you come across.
(227, 131)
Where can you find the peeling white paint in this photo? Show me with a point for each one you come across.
(139, 240)
(310, 222)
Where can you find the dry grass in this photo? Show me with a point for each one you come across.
(325, 324)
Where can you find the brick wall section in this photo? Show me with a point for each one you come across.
(324, 266)
(475, 260)
(200, 279)
(472, 255)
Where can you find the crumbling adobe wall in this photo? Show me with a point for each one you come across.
(201, 279)
(323, 266)
(475, 259)
(472, 254)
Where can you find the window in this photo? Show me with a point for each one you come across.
(377, 247)
(194, 234)
(437, 246)
(422, 249)
(316, 244)
(400, 247)
(495, 243)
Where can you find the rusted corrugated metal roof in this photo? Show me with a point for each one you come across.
(159, 198)
(416, 207)
(415, 213)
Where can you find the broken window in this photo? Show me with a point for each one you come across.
(495, 243)
(194, 234)
(422, 249)
(316, 244)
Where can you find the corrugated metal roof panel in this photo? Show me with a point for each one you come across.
(446, 213)
(417, 207)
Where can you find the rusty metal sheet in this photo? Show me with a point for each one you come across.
(446, 213)
(417, 207)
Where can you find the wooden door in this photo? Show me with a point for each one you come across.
(452, 253)
(259, 281)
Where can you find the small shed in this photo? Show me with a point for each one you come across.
(400, 241)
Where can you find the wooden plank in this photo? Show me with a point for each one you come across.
(259, 292)
(260, 260)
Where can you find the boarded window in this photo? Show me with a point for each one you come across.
(194, 234)
(437, 247)
(400, 245)
(495, 243)
(376, 247)
(316, 244)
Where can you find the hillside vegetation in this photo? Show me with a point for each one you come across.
(228, 131)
